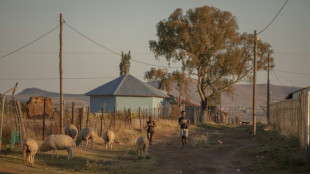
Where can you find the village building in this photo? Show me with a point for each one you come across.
(295, 94)
(126, 92)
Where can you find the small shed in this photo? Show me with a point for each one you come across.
(126, 92)
(295, 94)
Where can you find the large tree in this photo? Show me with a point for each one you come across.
(166, 79)
(125, 64)
(212, 51)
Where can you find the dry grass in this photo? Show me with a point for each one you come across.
(122, 159)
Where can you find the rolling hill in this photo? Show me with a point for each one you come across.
(242, 95)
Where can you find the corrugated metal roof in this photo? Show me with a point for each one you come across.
(127, 85)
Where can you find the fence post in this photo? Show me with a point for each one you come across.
(22, 127)
(114, 115)
(87, 117)
(140, 119)
(73, 113)
(44, 112)
(81, 113)
(101, 121)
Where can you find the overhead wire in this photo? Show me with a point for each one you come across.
(112, 51)
(29, 42)
(57, 78)
(273, 18)
(277, 77)
(290, 72)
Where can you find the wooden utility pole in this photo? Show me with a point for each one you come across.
(268, 89)
(254, 83)
(60, 73)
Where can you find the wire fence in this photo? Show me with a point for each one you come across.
(291, 118)
(39, 127)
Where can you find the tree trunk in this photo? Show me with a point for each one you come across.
(205, 110)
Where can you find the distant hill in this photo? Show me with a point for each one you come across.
(79, 99)
(242, 95)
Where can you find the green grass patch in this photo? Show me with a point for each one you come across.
(276, 154)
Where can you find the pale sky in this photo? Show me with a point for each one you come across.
(129, 25)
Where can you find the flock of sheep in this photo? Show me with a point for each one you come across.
(73, 139)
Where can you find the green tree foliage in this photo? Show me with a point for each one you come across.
(124, 66)
(212, 51)
(165, 80)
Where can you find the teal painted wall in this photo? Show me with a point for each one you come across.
(96, 103)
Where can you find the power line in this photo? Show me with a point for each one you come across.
(273, 18)
(277, 77)
(67, 78)
(29, 43)
(290, 72)
(288, 80)
(114, 52)
(145, 53)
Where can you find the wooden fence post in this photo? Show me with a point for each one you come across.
(81, 114)
(101, 121)
(73, 113)
(87, 117)
(44, 112)
(22, 127)
(114, 115)
(140, 119)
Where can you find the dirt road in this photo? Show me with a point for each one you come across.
(212, 158)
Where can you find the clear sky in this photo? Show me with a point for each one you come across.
(129, 25)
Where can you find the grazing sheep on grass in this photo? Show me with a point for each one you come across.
(58, 142)
(108, 138)
(71, 131)
(30, 147)
(85, 135)
(142, 146)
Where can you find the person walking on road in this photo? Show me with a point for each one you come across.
(150, 129)
(184, 124)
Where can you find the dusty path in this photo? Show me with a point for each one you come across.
(225, 158)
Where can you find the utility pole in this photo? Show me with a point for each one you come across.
(268, 89)
(254, 83)
(60, 73)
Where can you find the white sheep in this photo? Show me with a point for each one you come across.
(30, 147)
(108, 138)
(71, 131)
(58, 142)
(85, 135)
(142, 146)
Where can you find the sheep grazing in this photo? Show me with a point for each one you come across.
(142, 146)
(108, 138)
(30, 147)
(58, 142)
(85, 135)
(71, 131)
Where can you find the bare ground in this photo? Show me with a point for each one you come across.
(212, 158)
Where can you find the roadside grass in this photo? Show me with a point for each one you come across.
(276, 154)
(122, 159)
(207, 135)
